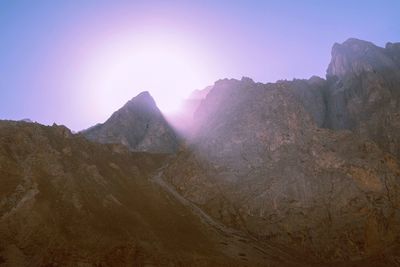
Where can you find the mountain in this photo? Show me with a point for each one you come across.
(293, 173)
(139, 125)
(65, 201)
(308, 165)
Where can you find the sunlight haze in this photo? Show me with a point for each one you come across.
(91, 57)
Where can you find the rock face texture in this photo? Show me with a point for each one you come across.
(65, 201)
(363, 91)
(308, 165)
(139, 125)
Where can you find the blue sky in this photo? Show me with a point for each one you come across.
(75, 62)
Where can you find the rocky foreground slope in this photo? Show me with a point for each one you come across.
(65, 201)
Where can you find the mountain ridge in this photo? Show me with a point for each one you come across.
(293, 173)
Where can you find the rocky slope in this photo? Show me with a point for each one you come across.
(309, 165)
(139, 125)
(65, 201)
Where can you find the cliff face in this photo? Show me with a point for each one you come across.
(310, 165)
(363, 92)
(139, 125)
(260, 163)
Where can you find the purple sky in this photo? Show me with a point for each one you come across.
(75, 62)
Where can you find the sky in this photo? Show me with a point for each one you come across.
(75, 62)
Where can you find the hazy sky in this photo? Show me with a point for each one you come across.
(75, 62)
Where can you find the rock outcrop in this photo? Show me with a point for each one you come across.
(363, 92)
(139, 125)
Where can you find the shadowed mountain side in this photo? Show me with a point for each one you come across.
(69, 202)
(139, 125)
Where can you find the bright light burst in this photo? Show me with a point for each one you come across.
(121, 68)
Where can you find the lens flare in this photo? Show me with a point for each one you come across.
(165, 66)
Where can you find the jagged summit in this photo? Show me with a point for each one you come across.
(363, 92)
(350, 56)
(142, 101)
(144, 94)
(143, 97)
(139, 125)
(353, 45)
(356, 56)
(356, 43)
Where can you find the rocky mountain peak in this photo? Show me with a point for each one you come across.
(141, 102)
(358, 45)
(363, 93)
(354, 47)
(145, 98)
(353, 56)
(139, 125)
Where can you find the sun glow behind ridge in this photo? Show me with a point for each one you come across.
(119, 69)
